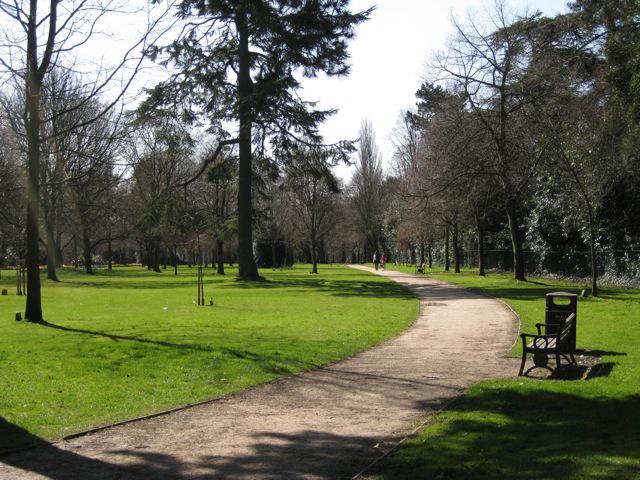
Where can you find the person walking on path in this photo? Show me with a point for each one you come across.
(375, 260)
(383, 260)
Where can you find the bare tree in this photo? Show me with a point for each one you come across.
(11, 194)
(312, 191)
(215, 197)
(490, 68)
(79, 162)
(34, 41)
(161, 148)
(367, 189)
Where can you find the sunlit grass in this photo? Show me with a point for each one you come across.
(131, 342)
(535, 429)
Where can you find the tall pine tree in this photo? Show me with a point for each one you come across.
(242, 61)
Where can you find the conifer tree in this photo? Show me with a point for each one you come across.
(242, 61)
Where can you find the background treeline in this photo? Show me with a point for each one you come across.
(521, 154)
(127, 190)
(525, 140)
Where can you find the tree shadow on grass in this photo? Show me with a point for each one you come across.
(130, 284)
(272, 364)
(628, 296)
(341, 288)
(524, 293)
(504, 433)
(498, 434)
(116, 338)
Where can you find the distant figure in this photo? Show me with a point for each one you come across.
(375, 260)
(383, 260)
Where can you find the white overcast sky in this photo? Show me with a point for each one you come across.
(388, 58)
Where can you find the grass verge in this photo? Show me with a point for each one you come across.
(130, 342)
(540, 429)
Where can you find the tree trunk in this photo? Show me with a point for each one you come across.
(175, 259)
(58, 243)
(456, 248)
(447, 265)
(33, 309)
(314, 253)
(516, 242)
(75, 252)
(480, 232)
(247, 268)
(421, 252)
(592, 226)
(147, 254)
(86, 252)
(52, 262)
(109, 254)
(156, 256)
(322, 252)
(220, 248)
(273, 254)
(53, 252)
(592, 253)
(430, 255)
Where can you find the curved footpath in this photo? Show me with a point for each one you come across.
(329, 423)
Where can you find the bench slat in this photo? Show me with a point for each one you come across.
(542, 345)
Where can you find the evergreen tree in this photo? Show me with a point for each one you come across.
(241, 61)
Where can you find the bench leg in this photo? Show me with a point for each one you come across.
(522, 364)
(573, 360)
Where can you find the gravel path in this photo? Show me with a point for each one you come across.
(329, 423)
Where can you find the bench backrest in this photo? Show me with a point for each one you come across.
(567, 326)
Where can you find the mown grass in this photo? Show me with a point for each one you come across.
(131, 342)
(541, 429)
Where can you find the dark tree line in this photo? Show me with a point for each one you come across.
(530, 124)
(233, 62)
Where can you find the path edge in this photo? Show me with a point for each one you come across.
(100, 428)
(424, 423)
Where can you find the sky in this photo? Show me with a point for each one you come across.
(389, 59)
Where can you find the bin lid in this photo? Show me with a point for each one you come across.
(561, 294)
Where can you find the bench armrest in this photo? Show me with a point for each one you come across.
(533, 335)
(539, 325)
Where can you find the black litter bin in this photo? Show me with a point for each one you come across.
(559, 306)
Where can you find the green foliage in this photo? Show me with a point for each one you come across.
(617, 22)
(131, 342)
(287, 40)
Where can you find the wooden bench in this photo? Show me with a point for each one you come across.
(420, 268)
(542, 345)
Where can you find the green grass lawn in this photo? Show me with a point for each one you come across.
(541, 429)
(130, 342)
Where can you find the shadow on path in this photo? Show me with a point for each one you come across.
(325, 424)
(273, 455)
